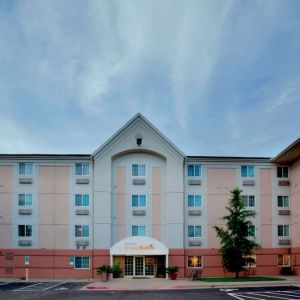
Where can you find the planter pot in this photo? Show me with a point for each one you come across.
(104, 276)
(172, 276)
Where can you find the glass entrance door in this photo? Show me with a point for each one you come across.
(139, 266)
(149, 266)
(128, 266)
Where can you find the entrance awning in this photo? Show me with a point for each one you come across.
(139, 245)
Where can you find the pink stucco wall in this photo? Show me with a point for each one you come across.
(295, 203)
(156, 203)
(219, 184)
(121, 203)
(266, 207)
(6, 201)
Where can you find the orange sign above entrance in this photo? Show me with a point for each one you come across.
(139, 247)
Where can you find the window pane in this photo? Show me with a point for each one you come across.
(78, 169)
(244, 171)
(286, 259)
(135, 170)
(142, 231)
(21, 168)
(197, 231)
(78, 230)
(285, 172)
(194, 261)
(279, 172)
(190, 231)
(190, 170)
(85, 200)
(142, 170)
(28, 230)
(286, 201)
(135, 200)
(21, 199)
(197, 200)
(251, 201)
(250, 171)
(21, 230)
(280, 230)
(28, 168)
(86, 262)
(85, 169)
(78, 262)
(197, 170)
(245, 200)
(279, 201)
(85, 230)
(134, 231)
(142, 200)
(280, 260)
(286, 230)
(190, 200)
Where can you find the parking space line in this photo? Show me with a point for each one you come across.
(269, 295)
(297, 296)
(4, 283)
(235, 296)
(246, 296)
(26, 287)
(48, 288)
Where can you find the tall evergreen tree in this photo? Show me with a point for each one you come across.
(235, 244)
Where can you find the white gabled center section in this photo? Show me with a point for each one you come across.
(139, 245)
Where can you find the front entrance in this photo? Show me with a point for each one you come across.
(139, 266)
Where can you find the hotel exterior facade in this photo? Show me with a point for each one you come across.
(139, 201)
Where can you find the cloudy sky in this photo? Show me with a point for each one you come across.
(216, 77)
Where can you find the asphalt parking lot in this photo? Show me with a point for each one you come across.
(72, 290)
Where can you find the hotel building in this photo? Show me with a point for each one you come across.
(139, 201)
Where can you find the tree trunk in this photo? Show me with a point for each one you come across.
(237, 274)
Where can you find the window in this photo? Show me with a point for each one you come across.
(251, 231)
(138, 170)
(194, 170)
(194, 201)
(283, 201)
(25, 199)
(283, 230)
(247, 171)
(284, 260)
(250, 260)
(194, 261)
(138, 200)
(82, 230)
(82, 262)
(25, 230)
(249, 201)
(138, 230)
(83, 169)
(194, 231)
(82, 200)
(26, 169)
(282, 172)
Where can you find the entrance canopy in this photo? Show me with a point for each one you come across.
(139, 245)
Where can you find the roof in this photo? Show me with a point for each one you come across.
(137, 117)
(229, 159)
(289, 155)
(46, 156)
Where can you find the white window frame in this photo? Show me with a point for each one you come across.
(139, 200)
(255, 259)
(194, 165)
(81, 200)
(247, 166)
(138, 170)
(283, 255)
(81, 256)
(194, 196)
(194, 237)
(248, 229)
(283, 177)
(195, 267)
(26, 163)
(82, 163)
(248, 200)
(139, 225)
(283, 230)
(283, 201)
(25, 236)
(25, 196)
(81, 230)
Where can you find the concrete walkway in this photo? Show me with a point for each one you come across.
(127, 284)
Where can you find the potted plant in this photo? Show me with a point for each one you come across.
(172, 271)
(104, 272)
(116, 271)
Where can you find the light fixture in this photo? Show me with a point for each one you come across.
(139, 139)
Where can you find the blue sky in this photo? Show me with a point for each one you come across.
(216, 77)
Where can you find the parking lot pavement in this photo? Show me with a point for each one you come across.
(40, 286)
(275, 294)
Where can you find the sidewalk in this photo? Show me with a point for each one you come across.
(128, 284)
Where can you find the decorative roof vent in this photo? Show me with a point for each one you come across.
(139, 139)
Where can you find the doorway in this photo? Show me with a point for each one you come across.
(139, 266)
